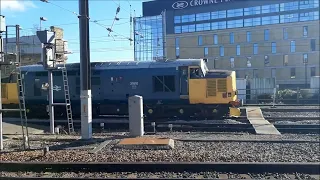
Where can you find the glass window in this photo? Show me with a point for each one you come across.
(232, 62)
(218, 25)
(252, 22)
(177, 29)
(221, 51)
(218, 14)
(266, 60)
(305, 31)
(270, 8)
(188, 18)
(309, 16)
(235, 23)
(273, 72)
(289, 6)
(255, 48)
(231, 37)
(293, 73)
(177, 19)
(293, 46)
(312, 44)
(289, 18)
(188, 28)
(266, 34)
(285, 33)
(215, 39)
(305, 58)
(285, 60)
(273, 47)
(206, 51)
(200, 40)
(270, 20)
(238, 50)
(202, 16)
(177, 47)
(252, 10)
(313, 71)
(203, 27)
(306, 4)
(235, 12)
(248, 36)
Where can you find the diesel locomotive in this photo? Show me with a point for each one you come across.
(182, 88)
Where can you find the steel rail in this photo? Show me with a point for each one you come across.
(236, 167)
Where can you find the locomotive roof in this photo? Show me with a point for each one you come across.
(124, 64)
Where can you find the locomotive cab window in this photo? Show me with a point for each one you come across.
(195, 73)
(163, 83)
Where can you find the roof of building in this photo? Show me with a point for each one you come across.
(124, 65)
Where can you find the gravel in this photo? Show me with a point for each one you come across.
(291, 114)
(167, 175)
(298, 122)
(184, 151)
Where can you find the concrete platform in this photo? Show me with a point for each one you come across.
(146, 143)
(15, 129)
(260, 125)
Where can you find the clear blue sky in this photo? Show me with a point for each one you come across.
(103, 48)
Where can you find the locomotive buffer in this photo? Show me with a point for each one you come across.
(49, 62)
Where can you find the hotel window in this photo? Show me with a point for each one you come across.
(206, 51)
(270, 20)
(287, 18)
(285, 33)
(200, 40)
(177, 29)
(235, 12)
(313, 71)
(252, 10)
(293, 46)
(218, 25)
(202, 16)
(177, 19)
(221, 51)
(306, 4)
(238, 50)
(266, 60)
(305, 31)
(232, 62)
(255, 48)
(177, 47)
(248, 36)
(235, 23)
(231, 37)
(273, 47)
(273, 72)
(215, 39)
(312, 44)
(309, 16)
(188, 18)
(293, 73)
(252, 22)
(188, 28)
(285, 60)
(270, 8)
(266, 34)
(203, 27)
(218, 15)
(289, 6)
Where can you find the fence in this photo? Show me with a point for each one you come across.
(286, 96)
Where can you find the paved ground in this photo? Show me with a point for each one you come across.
(15, 128)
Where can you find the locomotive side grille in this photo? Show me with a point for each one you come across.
(211, 87)
(222, 85)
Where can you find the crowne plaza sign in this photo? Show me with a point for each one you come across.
(195, 3)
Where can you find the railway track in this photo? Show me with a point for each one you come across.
(235, 167)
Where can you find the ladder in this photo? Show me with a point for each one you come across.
(67, 99)
(22, 107)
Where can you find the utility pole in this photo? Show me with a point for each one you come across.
(85, 71)
(2, 29)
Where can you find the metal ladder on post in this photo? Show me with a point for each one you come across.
(22, 107)
(67, 99)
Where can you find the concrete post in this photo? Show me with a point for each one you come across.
(136, 126)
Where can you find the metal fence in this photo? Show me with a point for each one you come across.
(274, 95)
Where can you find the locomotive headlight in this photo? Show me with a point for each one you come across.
(229, 94)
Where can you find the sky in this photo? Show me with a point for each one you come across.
(59, 13)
